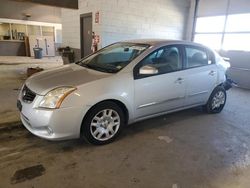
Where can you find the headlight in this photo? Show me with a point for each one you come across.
(55, 97)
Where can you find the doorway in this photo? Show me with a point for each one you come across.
(86, 34)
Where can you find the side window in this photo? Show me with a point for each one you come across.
(196, 57)
(165, 60)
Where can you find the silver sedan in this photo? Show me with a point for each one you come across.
(121, 84)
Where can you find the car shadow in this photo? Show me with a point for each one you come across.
(165, 120)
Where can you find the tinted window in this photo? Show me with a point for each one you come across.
(196, 57)
(165, 60)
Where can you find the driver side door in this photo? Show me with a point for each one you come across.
(163, 90)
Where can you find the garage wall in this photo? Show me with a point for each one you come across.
(124, 20)
(71, 22)
(128, 19)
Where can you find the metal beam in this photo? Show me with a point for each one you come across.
(195, 18)
(73, 4)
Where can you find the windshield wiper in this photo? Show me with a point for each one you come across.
(98, 68)
(84, 65)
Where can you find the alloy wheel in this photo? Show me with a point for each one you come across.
(105, 124)
(218, 100)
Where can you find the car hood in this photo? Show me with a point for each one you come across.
(67, 75)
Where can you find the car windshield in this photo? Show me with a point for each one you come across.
(113, 58)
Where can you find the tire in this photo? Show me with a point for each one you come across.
(103, 123)
(216, 101)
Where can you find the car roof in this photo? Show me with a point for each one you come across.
(160, 42)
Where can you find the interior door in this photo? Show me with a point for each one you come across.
(201, 75)
(86, 34)
(163, 91)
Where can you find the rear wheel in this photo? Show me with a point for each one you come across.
(217, 101)
(103, 123)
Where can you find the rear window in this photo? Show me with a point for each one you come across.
(196, 57)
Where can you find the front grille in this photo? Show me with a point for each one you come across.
(28, 95)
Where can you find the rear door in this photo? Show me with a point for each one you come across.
(201, 74)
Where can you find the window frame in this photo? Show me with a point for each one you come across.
(208, 52)
(139, 64)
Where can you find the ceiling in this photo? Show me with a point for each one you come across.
(73, 4)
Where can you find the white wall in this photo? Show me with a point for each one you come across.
(124, 19)
(71, 22)
(128, 19)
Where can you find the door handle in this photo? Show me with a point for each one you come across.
(179, 80)
(212, 73)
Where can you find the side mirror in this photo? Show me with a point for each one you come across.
(148, 70)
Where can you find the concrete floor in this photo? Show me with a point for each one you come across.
(12, 75)
(188, 149)
(20, 60)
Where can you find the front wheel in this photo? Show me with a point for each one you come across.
(216, 101)
(103, 123)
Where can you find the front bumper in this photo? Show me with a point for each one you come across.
(52, 124)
